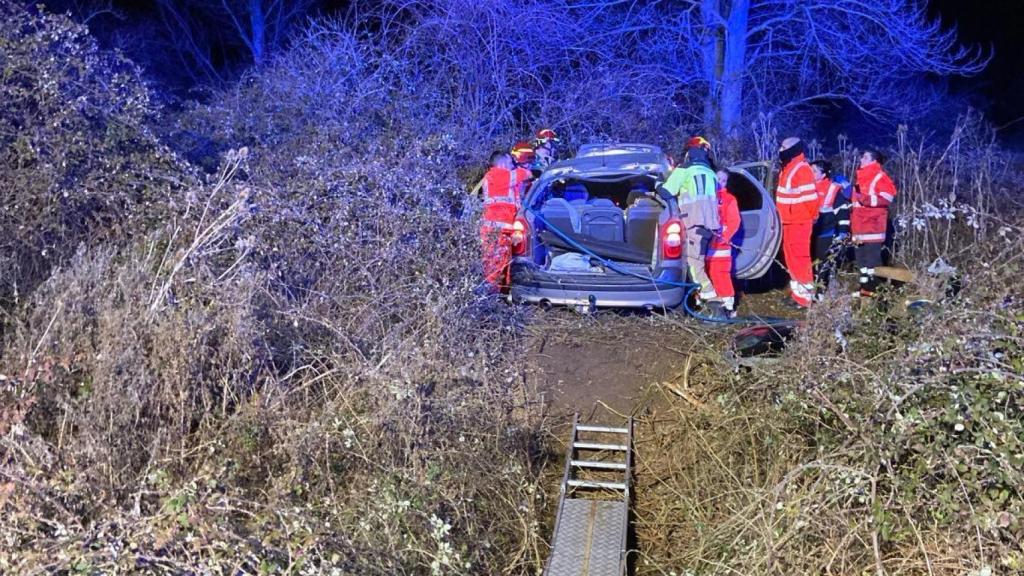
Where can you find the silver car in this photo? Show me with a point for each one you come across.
(595, 231)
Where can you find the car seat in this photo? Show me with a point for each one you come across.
(602, 219)
(642, 219)
(560, 214)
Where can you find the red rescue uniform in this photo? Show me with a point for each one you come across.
(797, 201)
(503, 189)
(875, 192)
(869, 219)
(719, 258)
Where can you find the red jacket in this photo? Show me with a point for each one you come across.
(871, 199)
(729, 219)
(796, 196)
(502, 192)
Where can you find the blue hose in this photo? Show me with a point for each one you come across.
(690, 286)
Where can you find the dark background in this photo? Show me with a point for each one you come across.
(996, 25)
(993, 26)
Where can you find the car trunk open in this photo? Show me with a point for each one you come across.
(619, 218)
(615, 216)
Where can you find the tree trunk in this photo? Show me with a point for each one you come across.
(258, 26)
(711, 52)
(734, 67)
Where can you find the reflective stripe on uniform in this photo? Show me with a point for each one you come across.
(797, 199)
(869, 237)
(871, 189)
(830, 198)
(797, 195)
(721, 253)
(496, 199)
(496, 224)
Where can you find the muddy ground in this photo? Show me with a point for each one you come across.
(613, 361)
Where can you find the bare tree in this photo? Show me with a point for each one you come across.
(710, 62)
(202, 29)
(772, 55)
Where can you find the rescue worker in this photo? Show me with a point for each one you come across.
(694, 185)
(869, 219)
(545, 147)
(719, 259)
(833, 223)
(502, 187)
(797, 201)
(523, 157)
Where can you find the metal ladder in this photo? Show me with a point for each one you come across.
(592, 523)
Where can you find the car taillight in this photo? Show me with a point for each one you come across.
(672, 239)
(520, 243)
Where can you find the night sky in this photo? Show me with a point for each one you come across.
(998, 25)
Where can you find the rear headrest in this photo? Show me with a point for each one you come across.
(602, 202)
(555, 203)
(644, 203)
(635, 195)
(576, 191)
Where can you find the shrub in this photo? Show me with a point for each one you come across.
(77, 160)
(291, 372)
(268, 383)
(886, 439)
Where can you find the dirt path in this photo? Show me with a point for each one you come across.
(612, 359)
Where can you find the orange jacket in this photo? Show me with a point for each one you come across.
(871, 199)
(730, 220)
(502, 192)
(796, 196)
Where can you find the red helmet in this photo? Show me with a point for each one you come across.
(698, 142)
(523, 153)
(545, 135)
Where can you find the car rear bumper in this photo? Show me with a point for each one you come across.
(538, 287)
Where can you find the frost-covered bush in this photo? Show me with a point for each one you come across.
(77, 160)
(291, 372)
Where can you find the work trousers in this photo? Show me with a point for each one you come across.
(497, 254)
(869, 257)
(700, 217)
(796, 248)
(697, 240)
(720, 272)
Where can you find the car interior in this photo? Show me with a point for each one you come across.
(619, 218)
(619, 211)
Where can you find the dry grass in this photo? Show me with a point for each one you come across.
(233, 393)
(883, 442)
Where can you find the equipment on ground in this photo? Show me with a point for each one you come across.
(895, 273)
(592, 524)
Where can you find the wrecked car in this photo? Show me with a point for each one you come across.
(595, 231)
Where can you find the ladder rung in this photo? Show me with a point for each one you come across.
(599, 446)
(596, 484)
(592, 428)
(597, 464)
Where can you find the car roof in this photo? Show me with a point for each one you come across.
(596, 160)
